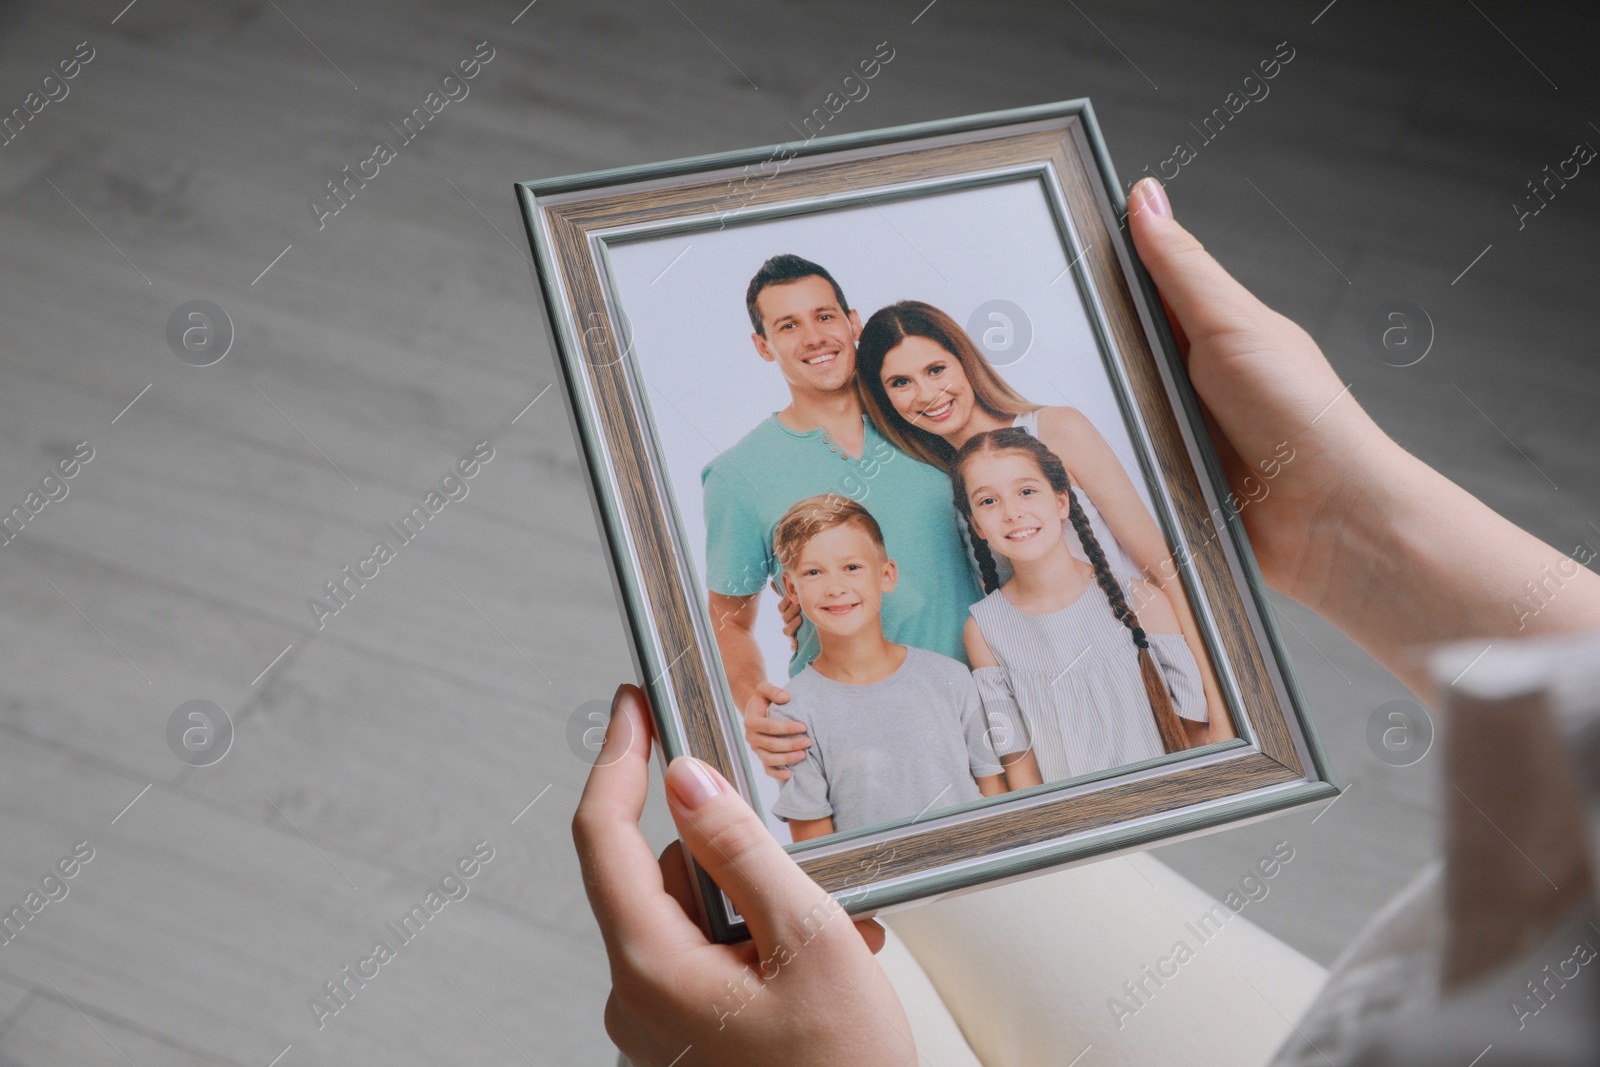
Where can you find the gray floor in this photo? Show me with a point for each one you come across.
(375, 352)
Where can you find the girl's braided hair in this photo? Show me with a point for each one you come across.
(1013, 439)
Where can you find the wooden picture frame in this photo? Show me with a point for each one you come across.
(579, 227)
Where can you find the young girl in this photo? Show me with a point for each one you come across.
(1096, 686)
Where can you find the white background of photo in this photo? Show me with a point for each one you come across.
(706, 386)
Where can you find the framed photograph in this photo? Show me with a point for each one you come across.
(889, 438)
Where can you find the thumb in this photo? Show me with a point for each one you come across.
(726, 837)
(1204, 298)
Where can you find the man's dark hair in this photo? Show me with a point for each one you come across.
(780, 270)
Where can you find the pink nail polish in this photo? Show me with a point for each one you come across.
(1153, 198)
(692, 783)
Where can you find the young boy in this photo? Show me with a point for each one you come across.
(897, 732)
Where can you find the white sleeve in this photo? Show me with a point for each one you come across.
(1007, 730)
(1182, 675)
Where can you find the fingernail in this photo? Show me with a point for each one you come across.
(692, 783)
(1152, 197)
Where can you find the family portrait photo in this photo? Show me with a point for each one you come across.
(926, 549)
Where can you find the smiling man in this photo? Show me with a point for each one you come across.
(820, 443)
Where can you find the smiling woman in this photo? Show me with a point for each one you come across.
(928, 388)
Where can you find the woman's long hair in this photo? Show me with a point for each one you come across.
(1012, 439)
(885, 330)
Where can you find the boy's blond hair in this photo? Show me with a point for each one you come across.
(814, 515)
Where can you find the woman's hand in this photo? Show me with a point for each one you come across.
(1268, 392)
(1340, 517)
(804, 991)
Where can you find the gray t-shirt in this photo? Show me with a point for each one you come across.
(890, 751)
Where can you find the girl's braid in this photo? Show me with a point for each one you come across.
(984, 555)
(1102, 571)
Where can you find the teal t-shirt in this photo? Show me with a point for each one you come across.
(749, 487)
